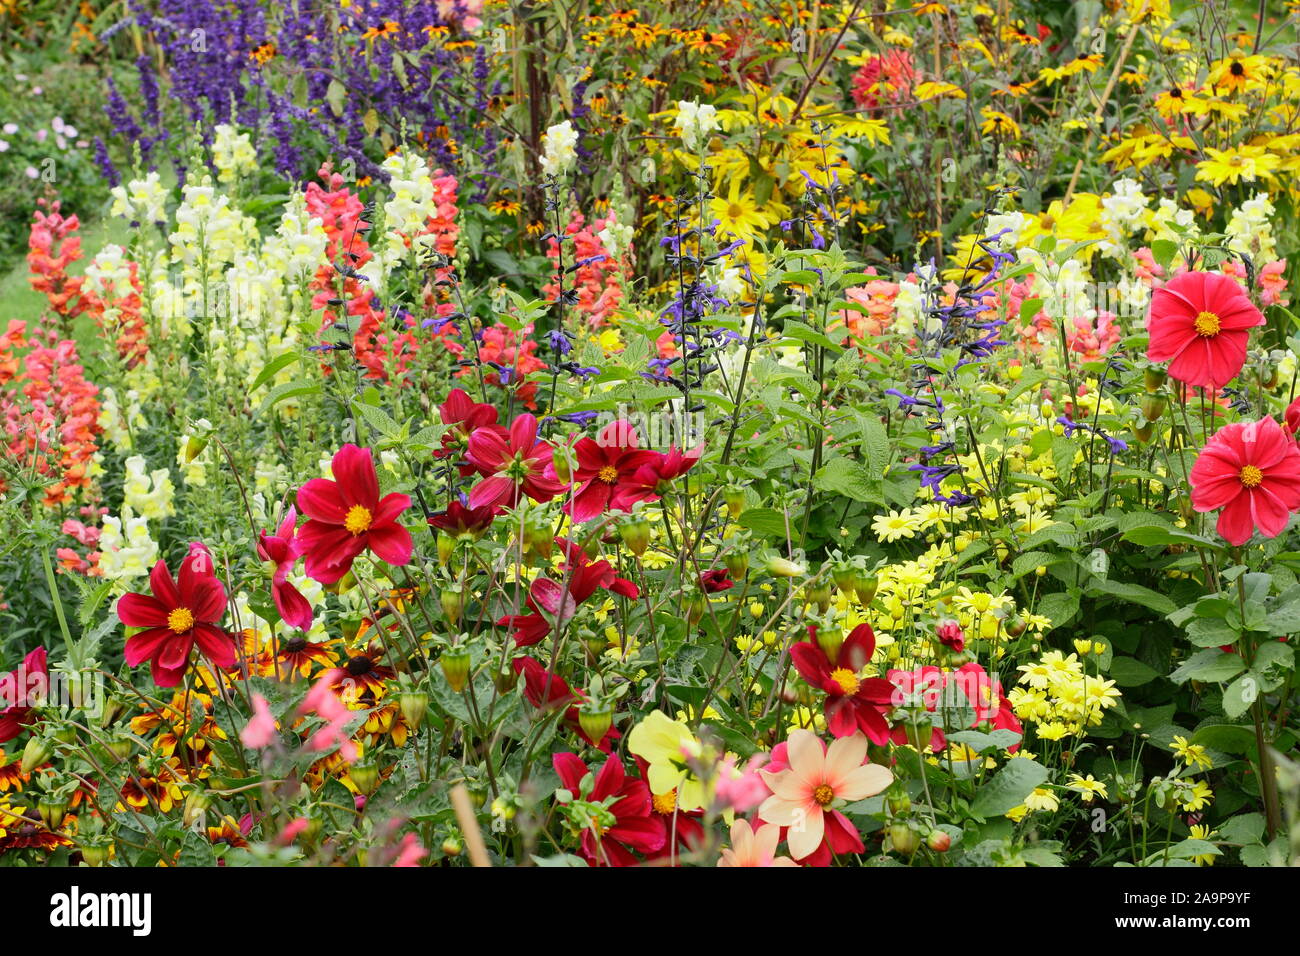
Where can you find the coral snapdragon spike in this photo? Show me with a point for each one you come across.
(1250, 473)
(178, 615)
(1199, 323)
(512, 464)
(15, 687)
(607, 470)
(346, 516)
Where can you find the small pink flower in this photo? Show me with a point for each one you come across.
(324, 703)
(741, 790)
(411, 853)
(261, 729)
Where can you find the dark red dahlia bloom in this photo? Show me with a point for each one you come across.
(346, 516)
(466, 416)
(178, 615)
(636, 827)
(17, 691)
(553, 602)
(461, 522)
(550, 691)
(711, 582)
(606, 472)
(278, 549)
(652, 478)
(512, 464)
(853, 703)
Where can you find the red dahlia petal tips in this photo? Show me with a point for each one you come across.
(1250, 473)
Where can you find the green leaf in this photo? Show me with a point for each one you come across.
(843, 476)
(1133, 594)
(1060, 607)
(286, 391)
(1210, 632)
(1192, 847)
(1008, 787)
(1129, 672)
(271, 367)
(1210, 666)
(764, 521)
(1242, 829)
(334, 95)
(378, 419)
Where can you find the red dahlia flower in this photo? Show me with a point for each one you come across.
(711, 582)
(635, 826)
(511, 464)
(1292, 418)
(461, 522)
(1199, 323)
(278, 549)
(555, 601)
(853, 703)
(651, 479)
(606, 470)
(346, 516)
(17, 690)
(549, 691)
(1250, 470)
(466, 416)
(178, 615)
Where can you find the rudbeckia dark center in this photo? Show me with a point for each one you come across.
(358, 666)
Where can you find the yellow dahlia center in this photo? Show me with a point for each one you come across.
(608, 474)
(735, 211)
(180, 620)
(358, 519)
(847, 680)
(665, 803)
(1251, 476)
(823, 795)
(1206, 323)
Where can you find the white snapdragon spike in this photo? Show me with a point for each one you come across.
(1122, 214)
(1013, 221)
(412, 201)
(110, 273)
(232, 153)
(140, 200)
(114, 421)
(694, 123)
(1167, 214)
(616, 238)
(126, 550)
(731, 284)
(147, 493)
(907, 306)
(300, 240)
(560, 151)
(269, 476)
(1250, 230)
(208, 229)
(194, 470)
